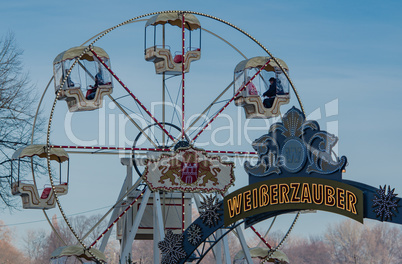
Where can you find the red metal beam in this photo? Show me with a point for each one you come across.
(109, 148)
(262, 239)
(118, 218)
(183, 212)
(132, 95)
(231, 152)
(151, 149)
(182, 74)
(226, 105)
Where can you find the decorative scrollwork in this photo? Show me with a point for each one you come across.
(296, 145)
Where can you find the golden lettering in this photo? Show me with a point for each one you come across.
(351, 202)
(234, 205)
(264, 196)
(247, 200)
(255, 198)
(273, 192)
(318, 193)
(283, 193)
(295, 187)
(340, 198)
(329, 195)
(305, 193)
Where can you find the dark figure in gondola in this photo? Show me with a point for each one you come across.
(270, 93)
(92, 92)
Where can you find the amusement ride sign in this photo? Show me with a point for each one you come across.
(295, 193)
(297, 170)
(189, 170)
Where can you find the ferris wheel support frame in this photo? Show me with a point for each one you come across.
(127, 241)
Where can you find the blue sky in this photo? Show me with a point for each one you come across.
(347, 51)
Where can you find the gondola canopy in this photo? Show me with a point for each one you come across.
(78, 252)
(175, 19)
(57, 154)
(77, 51)
(258, 62)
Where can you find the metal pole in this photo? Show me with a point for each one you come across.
(244, 246)
(163, 88)
(226, 251)
(129, 242)
(156, 233)
(182, 76)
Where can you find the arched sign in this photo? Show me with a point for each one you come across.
(297, 170)
(294, 193)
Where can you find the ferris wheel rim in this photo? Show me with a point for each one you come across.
(89, 48)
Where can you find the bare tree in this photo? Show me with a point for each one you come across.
(308, 251)
(352, 242)
(35, 241)
(8, 253)
(39, 246)
(17, 111)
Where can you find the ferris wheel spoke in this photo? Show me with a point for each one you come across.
(182, 76)
(224, 40)
(100, 149)
(132, 95)
(209, 107)
(108, 148)
(174, 114)
(132, 120)
(226, 105)
(261, 238)
(231, 152)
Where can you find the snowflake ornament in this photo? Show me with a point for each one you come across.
(209, 211)
(386, 202)
(172, 248)
(194, 234)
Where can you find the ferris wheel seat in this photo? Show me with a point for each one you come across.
(30, 196)
(254, 108)
(45, 193)
(178, 58)
(166, 63)
(77, 102)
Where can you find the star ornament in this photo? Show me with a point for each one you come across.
(172, 248)
(386, 203)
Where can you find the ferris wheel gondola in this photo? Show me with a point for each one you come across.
(249, 98)
(31, 199)
(160, 54)
(90, 76)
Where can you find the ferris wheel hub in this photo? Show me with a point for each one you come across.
(181, 144)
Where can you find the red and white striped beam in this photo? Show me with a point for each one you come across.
(226, 105)
(182, 74)
(149, 149)
(260, 236)
(117, 219)
(132, 95)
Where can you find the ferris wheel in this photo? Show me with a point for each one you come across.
(173, 82)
